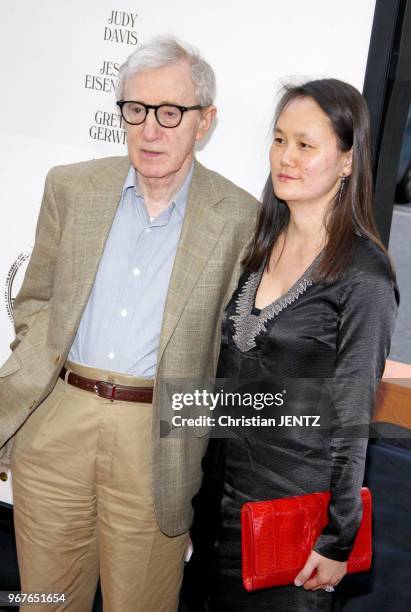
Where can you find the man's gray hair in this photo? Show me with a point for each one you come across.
(162, 50)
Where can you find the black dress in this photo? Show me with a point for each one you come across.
(337, 336)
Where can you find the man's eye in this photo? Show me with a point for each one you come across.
(278, 140)
(170, 113)
(305, 145)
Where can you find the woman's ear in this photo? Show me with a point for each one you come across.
(347, 166)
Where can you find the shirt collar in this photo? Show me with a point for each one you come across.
(180, 198)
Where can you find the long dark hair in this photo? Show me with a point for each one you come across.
(351, 211)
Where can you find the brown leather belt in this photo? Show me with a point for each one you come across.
(108, 390)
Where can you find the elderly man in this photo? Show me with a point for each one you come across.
(133, 260)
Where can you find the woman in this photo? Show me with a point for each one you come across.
(317, 300)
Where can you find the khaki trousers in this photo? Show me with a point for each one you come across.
(83, 506)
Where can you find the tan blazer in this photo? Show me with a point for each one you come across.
(78, 207)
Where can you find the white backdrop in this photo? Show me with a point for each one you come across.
(60, 59)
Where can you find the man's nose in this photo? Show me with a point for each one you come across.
(151, 127)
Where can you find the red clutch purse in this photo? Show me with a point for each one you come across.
(278, 535)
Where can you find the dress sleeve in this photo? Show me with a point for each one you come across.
(368, 308)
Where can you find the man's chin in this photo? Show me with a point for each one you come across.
(151, 170)
(152, 173)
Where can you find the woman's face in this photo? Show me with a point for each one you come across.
(306, 162)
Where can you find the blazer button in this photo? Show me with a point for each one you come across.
(3, 476)
(57, 359)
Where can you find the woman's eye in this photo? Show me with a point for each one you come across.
(305, 145)
(278, 140)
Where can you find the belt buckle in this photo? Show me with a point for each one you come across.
(97, 388)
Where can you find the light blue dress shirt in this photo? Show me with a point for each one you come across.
(121, 324)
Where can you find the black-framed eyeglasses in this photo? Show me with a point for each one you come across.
(167, 115)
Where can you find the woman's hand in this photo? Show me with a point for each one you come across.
(329, 572)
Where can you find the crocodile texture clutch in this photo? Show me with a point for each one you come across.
(278, 535)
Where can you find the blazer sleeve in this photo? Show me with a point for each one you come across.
(36, 292)
(367, 315)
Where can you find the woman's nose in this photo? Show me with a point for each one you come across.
(288, 156)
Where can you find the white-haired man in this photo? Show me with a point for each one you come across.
(133, 260)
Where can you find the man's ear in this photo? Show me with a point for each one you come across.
(208, 115)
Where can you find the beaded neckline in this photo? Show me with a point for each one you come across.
(248, 325)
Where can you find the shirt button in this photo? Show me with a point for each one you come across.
(136, 272)
(124, 312)
(111, 355)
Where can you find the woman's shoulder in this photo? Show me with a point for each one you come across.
(369, 260)
(370, 271)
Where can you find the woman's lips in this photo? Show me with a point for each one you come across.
(286, 177)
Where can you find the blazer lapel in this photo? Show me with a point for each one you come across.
(201, 230)
(95, 208)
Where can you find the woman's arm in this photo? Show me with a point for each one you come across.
(368, 308)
